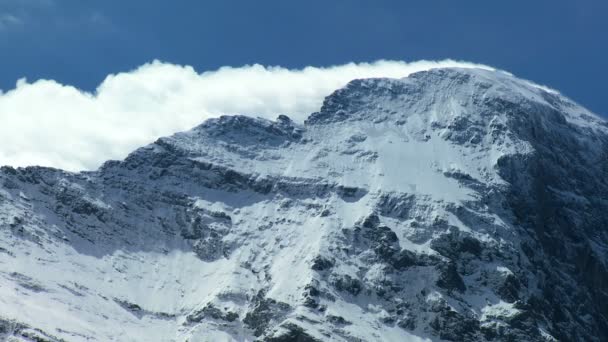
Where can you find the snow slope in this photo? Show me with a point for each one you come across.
(454, 204)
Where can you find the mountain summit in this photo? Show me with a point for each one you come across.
(454, 204)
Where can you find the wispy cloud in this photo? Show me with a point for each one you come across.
(28, 3)
(16, 14)
(47, 123)
(99, 22)
(45, 17)
(8, 21)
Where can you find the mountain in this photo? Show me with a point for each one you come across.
(454, 204)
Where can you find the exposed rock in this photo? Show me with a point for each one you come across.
(291, 333)
(454, 204)
(210, 311)
(265, 311)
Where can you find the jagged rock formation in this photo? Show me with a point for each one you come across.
(454, 204)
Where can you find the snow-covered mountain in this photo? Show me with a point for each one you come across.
(454, 204)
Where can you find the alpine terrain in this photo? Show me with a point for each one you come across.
(450, 205)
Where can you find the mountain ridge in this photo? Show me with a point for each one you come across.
(453, 204)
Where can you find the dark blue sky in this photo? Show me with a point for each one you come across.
(563, 44)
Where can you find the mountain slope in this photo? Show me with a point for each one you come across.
(454, 204)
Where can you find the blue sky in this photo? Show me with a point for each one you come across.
(563, 44)
(103, 78)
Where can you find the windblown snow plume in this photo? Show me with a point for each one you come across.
(51, 124)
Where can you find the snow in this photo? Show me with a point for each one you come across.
(105, 255)
(500, 309)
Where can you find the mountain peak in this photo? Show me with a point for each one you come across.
(453, 204)
(444, 92)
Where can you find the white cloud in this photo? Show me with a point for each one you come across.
(50, 124)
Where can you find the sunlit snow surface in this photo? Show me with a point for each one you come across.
(221, 233)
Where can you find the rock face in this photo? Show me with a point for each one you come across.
(454, 204)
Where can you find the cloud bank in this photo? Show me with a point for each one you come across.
(51, 124)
